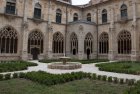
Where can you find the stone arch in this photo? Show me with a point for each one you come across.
(74, 43)
(88, 44)
(58, 42)
(104, 43)
(124, 42)
(8, 40)
(36, 40)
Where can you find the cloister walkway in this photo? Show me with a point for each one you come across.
(90, 68)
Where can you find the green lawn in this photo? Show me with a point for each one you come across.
(85, 86)
(73, 60)
(9, 66)
(121, 67)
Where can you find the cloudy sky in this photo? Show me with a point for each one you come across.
(79, 2)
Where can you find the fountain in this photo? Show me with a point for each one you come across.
(65, 65)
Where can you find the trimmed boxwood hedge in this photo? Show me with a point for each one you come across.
(9, 66)
(127, 67)
(74, 60)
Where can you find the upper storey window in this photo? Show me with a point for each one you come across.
(58, 16)
(11, 6)
(75, 17)
(104, 16)
(124, 11)
(37, 11)
(89, 17)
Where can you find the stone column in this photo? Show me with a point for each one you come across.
(81, 46)
(134, 35)
(49, 33)
(24, 31)
(112, 49)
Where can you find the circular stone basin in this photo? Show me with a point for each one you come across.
(67, 66)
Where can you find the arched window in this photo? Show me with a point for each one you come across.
(37, 11)
(58, 16)
(74, 43)
(11, 6)
(58, 43)
(104, 16)
(89, 17)
(75, 17)
(35, 40)
(124, 11)
(88, 43)
(8, 40)
(103, 43)
(124, 42)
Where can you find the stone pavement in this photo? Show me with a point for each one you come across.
(90, 68)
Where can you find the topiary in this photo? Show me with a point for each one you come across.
(7, 76)
(110, 79)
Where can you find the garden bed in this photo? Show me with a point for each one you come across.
(73, 60)
(127, 67)
(10, 66)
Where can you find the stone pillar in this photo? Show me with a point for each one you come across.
(134, 35)
(49, 33)
(112, 49)
(81, 46)
(24, 31)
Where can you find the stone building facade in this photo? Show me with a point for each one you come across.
(47, 29)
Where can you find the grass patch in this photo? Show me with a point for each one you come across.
(127, 67)
(73, 60)
(85, 86)
(9, 66)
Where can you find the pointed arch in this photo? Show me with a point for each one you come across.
(36, 39)
(74, 43)
(8, 40)
(124, 42)
(104, 43)
(88, 43)
(58, 43)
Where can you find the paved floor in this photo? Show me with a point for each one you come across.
(90, 68)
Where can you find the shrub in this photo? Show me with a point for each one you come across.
(94, 76)
(1, 77)
(99, 77)
(110, 79)
(115, 80)
(15, 75)
(21, 75)
(104, 78)
(121, 81)
(7, 76)
(131, 82)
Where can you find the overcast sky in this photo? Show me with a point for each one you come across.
(79, 2)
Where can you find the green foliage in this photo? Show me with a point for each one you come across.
(52, 79)
(21, 75)
(104, 78)
(1, 77)
(74, 60)
(99, 77)
(116, 80)
(127, 67)
(9, 66)
(15, 75)
(133, 89)
(110, 79)
(94, 76)
(121, 81)
(7, 76)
